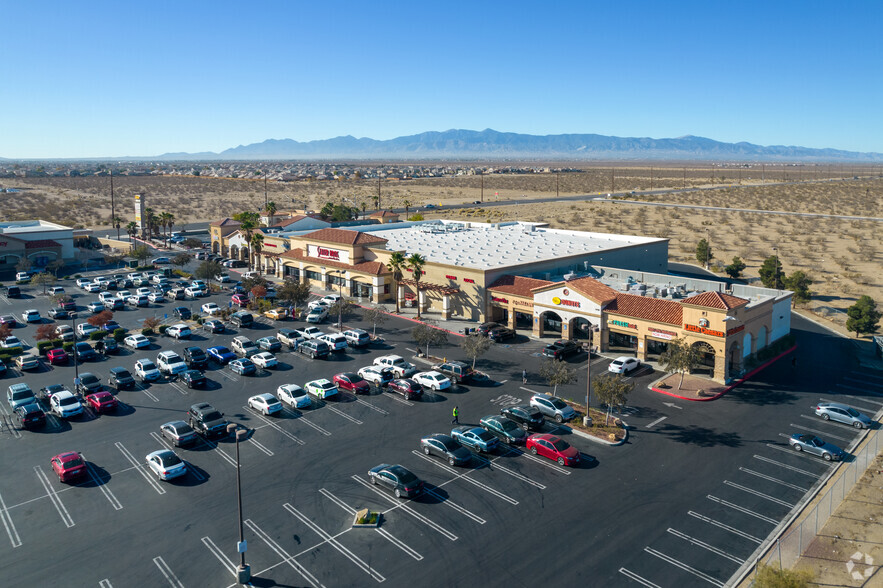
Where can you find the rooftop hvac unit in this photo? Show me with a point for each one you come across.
(548, 276)
(570, 276)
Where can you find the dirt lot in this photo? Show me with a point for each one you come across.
(843, 258)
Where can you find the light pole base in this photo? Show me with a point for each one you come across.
(243, 574)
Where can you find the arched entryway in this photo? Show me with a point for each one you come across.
(761, 338)
(216, 247)
(746, 345)
(580, 328)
(734, 367)
(706, 358)
(234, 252)
(550, 324)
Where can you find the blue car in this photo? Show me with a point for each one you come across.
(111, 326)
(243, 366)
(475, 438)
(221, 354)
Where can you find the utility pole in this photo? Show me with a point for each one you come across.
(763, 173)
(651, 178)
(378, 192)
(482, 187)
(685, 178)
(557, 174)
(588, 419)
(265, 192)
(612, 180)
(113, 216)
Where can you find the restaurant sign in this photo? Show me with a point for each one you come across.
(563, 302)
(704, 331)
(622, 324)
(660, 334)
(500, 300)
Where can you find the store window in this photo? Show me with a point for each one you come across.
(311, 275)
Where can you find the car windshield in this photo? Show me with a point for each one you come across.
(558, 404)
(449, 444)
(123, 374)
(508, 425)
(560, 445)
(183, 428)
(72, 462)
(53, 388)
(817, 442)
(147, 365)
(169, 459)
(88, 379)
(68, 401)
(211, 416)
(221, 350)
(21, 394)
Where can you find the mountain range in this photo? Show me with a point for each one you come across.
(491, 144)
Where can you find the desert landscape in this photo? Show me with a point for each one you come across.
(841, 256)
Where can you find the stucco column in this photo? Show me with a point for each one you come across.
(720, 367)
(537, 326)
(565, 331)
(421, 300)
(641, 351)
(511, 317)
(603, 339)
(446, 306)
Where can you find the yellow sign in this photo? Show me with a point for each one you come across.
(556, 300)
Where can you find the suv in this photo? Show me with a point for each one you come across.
(314, 348)
(397, 364)
(357, 338)
(288, 336)
(561, 349)
(195, 358)
(336, 341)
(528, 417)
(120, 379)
(170, 363)
(242, 319)
(244, 346)
(206, 420)
(552, 407)
(457, 371)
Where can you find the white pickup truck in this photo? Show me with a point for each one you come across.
(398, 365)
(309, 332)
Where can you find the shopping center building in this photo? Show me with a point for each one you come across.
(548, 283)
(38, 241)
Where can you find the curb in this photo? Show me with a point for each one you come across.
(731, 386)
(579, 433)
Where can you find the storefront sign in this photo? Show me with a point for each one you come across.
(561, 302)
(524, 303)
(698, 329)
(469, 280)
(622, 324)
(735, 330)
(660, 334)
(329, 253)
(703, 322)
(326, 253)
(500, 300)
(268, 245)
(451, 277)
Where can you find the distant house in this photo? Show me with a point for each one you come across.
(384, 216)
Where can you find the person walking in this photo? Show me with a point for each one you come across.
(524, 376)
(456, 418)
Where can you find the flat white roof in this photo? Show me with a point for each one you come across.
(27, 226)
(487, 247)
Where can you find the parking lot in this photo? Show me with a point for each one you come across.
(684, 502)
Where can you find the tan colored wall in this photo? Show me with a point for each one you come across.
(123, 246)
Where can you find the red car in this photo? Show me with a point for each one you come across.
(240, 300)
(102, 401)
(352, 382)
(57, 356)
(406, 387)
(69, 466)
(554, 448)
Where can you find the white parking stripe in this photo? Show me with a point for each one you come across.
(399, 399)
(8, 524)
(867, 375)
(190, 466)
(803, 416)
(102, 486)
(774, 480)
(306, 421)
(759, 494)
(105, 583)
(335, 543)
(401, 505)
(383, 533)
(153, 483)
(287, 558)
(371, 406)
(219, 451)
(742, 509)
(146, 391)
(53, 496)
(273, 425)
(184, 391)
(549, 464)
(656, 422)
(721, 525)
(706, 546)
(216, 551)
(7, 422)
(635, 577)
(505, 470)
(786, 466)
(465, 477)
(3, 410)
(684, 567)
(173, 580)
(257, 444)
(463, 511)
(345, 415)
(864, 382)
(221, 372)
(865, 400)
(857, 389)
(789, 451)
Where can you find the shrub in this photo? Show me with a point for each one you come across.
(44, 346)
(68, 346)
(146, 331)
(95, 336)
(119, 335)
(8, 354)
(162, 329)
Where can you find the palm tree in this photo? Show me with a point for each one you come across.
(271, 210)
(397, 264)
(376, 200)
(171, 222)
(407, 204)
(148, 222)
(132, 230)
(416, 263)
(257, 243)
(247, 224)
(164, 219)
(364, 207)
(117, 221)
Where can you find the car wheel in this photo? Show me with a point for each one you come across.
(426, 450)
(827, 456)
(559, 419)
(857, 424)
(533, 450)
(398, 493)
(525, 426)
(798, 448)
(561, 461)
(826, 416)
(374, 480)
(451, 460)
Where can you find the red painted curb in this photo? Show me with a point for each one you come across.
(730, 387)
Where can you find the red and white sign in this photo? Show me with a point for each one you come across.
(327, 253)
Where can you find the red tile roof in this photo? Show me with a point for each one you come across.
(715, 300)
(643, 307)
(517, 285)
(383, 213)
(375, 268)
(592, 288)
(41, 243)
(226, 222)
(343, 237)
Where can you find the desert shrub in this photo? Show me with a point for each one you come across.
(146, 331)
(119, 335)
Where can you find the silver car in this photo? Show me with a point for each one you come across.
(552, 407)
(815, 446)
(833, 411)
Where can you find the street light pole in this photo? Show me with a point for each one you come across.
(340, 302)
(776, 267)
(587, 420)
(76, 358)
(243, 572)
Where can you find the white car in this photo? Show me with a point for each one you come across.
(331, 298)
(134, 276)
(374, 374)
(321, 303)
(170, 363)
(27, 362)
(193, 292)
(136, 342)
(92, 287)
(336, 341)
(83, 282)
(166, 464)
(309, 332)
(210, 308)
(143, 292)
(321, 388)
(398, 365)
(265, 403)
(156, 297)
(22, 277)
(294, 396)
(11, 342)
(432, 380)
(101, 280)
(317, 315)
(56, 290)
(146, 370)
(85, 329)
(179, 331)
(105, 296)
(157, 279)
(65, 333)
(31, 315)
(122, 295)
(65, 405)
(223, 278)
(623, 365)
(137, 300)
(95, 306)
(265, 360)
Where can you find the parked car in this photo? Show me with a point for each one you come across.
(88, 383)
(65, 405)
(399, 479)
(178, 432)
(84, 330)
(294, 396)
(170, 363)
(68, 466)
(309, 332)
(552, 407)
(195, 357)
(432, 380)
(136, 341)
(562, 349)
(528, 417)
(8, 319)
(182, 312)
(265, 403)
(242, 319)
(554, 448)
(317, 315)
(206, 420)
(277, 314)
(506, 430)
(84, 352)
(146, 370)
(179, 331)
(397, 364)
(102, 401)
(26, 361)
(353, 382)
(244, 346)
(475, 438)
(377, 375)
(57, 357)
(457, 371)
(220, 354)
(445, 447)
(322, 388)
(59, 314)
(120, 379)
(166, 464)
(270, 343)
(29, 416)
(193, 379)
(265, 360)
(357, 338)
(486, 328)
(336, 341)
(11, 342)
(240, 300)
(841, 413)
(214, 326)
(816, 446)
(156, 297)
(314, 348)
(623, 365)
(46, 392)
(19, 394)
(243, 366)
(407, 387)
(500, 334)
(65, 333)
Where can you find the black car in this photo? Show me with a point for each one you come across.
(195, 358)
(406, 387)
(444, 446)
(182, 312)
(400, 480)
(526, 416)
(485, 328)
(30, 416)
(498, 334)
(84, 352)
(206, 420)
(110, 346)
(193, 379)
(46, 392)
(242, 319)
(213, 326)
(561, 349)
(120, 379)
(88, 384)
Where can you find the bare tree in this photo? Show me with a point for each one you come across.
(557, 373)
(426, 334)
(612, 390)
(475, 345)
(376, 316)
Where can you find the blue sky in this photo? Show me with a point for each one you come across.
(96, 78)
